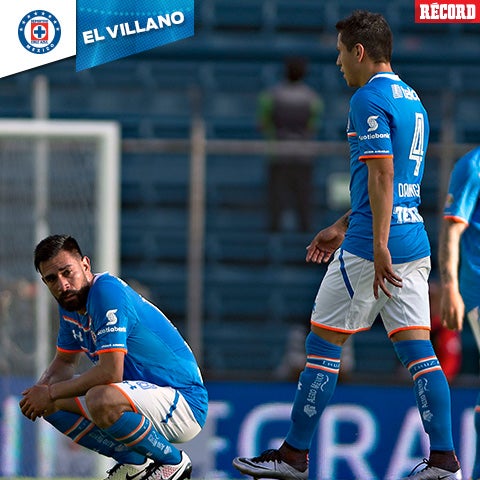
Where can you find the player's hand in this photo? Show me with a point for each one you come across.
(452, 308)
(384, 272)
(36, 402)
(324, 244)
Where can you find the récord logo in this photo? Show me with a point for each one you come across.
(447, 12)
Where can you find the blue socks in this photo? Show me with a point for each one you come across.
(138, 433)
(129, 440)
(85, 433)
(315, 388)
(432, 392)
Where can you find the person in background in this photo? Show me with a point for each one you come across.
(459, 258)
(381, 259)
(290, 111)
(144, 392)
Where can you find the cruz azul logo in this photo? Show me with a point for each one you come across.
(447, 12)
(39, 31)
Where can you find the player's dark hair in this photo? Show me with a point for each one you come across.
(369, 29)
(51, 246)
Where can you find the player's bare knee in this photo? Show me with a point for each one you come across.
(101, 404)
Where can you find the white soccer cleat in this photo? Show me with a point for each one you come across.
(127, 471)
(269, 465)
(158, 471)
(431, 472)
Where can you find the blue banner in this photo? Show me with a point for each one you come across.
(366, 433)
(114, 29)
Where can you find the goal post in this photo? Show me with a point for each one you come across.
(56, 176)
(106, 136)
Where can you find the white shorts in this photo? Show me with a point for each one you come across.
(345, 301)
(165, 407)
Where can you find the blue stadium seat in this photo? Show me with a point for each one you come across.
(247, 221)
(234, 78)
(154, 244)
(301, 16)
(155, 180)
(242, 348)
(238, 248)
(164, 285)
(245, 15)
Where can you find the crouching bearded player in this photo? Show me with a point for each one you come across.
(144, 392)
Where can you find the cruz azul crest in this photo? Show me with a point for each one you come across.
(39, 32)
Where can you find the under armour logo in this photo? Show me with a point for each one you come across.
(77, 335)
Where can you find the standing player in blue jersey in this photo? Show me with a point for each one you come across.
(460, 238)
(144, 392)
(381, 258)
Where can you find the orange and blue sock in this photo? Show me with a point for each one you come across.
(315, 388)
(84, 432)
(432, 392)
(139, 434)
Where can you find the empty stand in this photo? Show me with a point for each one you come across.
(244, 15)
(300, 17)
(256, 284)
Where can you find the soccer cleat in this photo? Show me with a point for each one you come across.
(269, 465)
(127, 471)
(158, 471)
(430, 472)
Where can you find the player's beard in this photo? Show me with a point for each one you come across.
(74, 300)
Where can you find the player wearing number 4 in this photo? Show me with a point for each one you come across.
(144, 392)
(381, 258)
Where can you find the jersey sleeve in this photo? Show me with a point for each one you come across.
(109, 316)
(66, 339)
(371, 125)
(463, 189)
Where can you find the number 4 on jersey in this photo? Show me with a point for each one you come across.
(416, 150)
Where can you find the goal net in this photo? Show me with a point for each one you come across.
(55, 177)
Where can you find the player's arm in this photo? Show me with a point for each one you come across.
(37, 400)
(380, 192)
(40, 399)
(452, 308)
(61, 368)
(109, 369)
(327, 241)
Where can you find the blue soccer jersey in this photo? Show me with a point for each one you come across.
(463, 205)
(119, 319)
(387, 119)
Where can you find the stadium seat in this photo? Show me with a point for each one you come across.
(237, 347)
(245, 15)
(238, 247)
(299, 17)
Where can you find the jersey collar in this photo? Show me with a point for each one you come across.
(390, 75)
